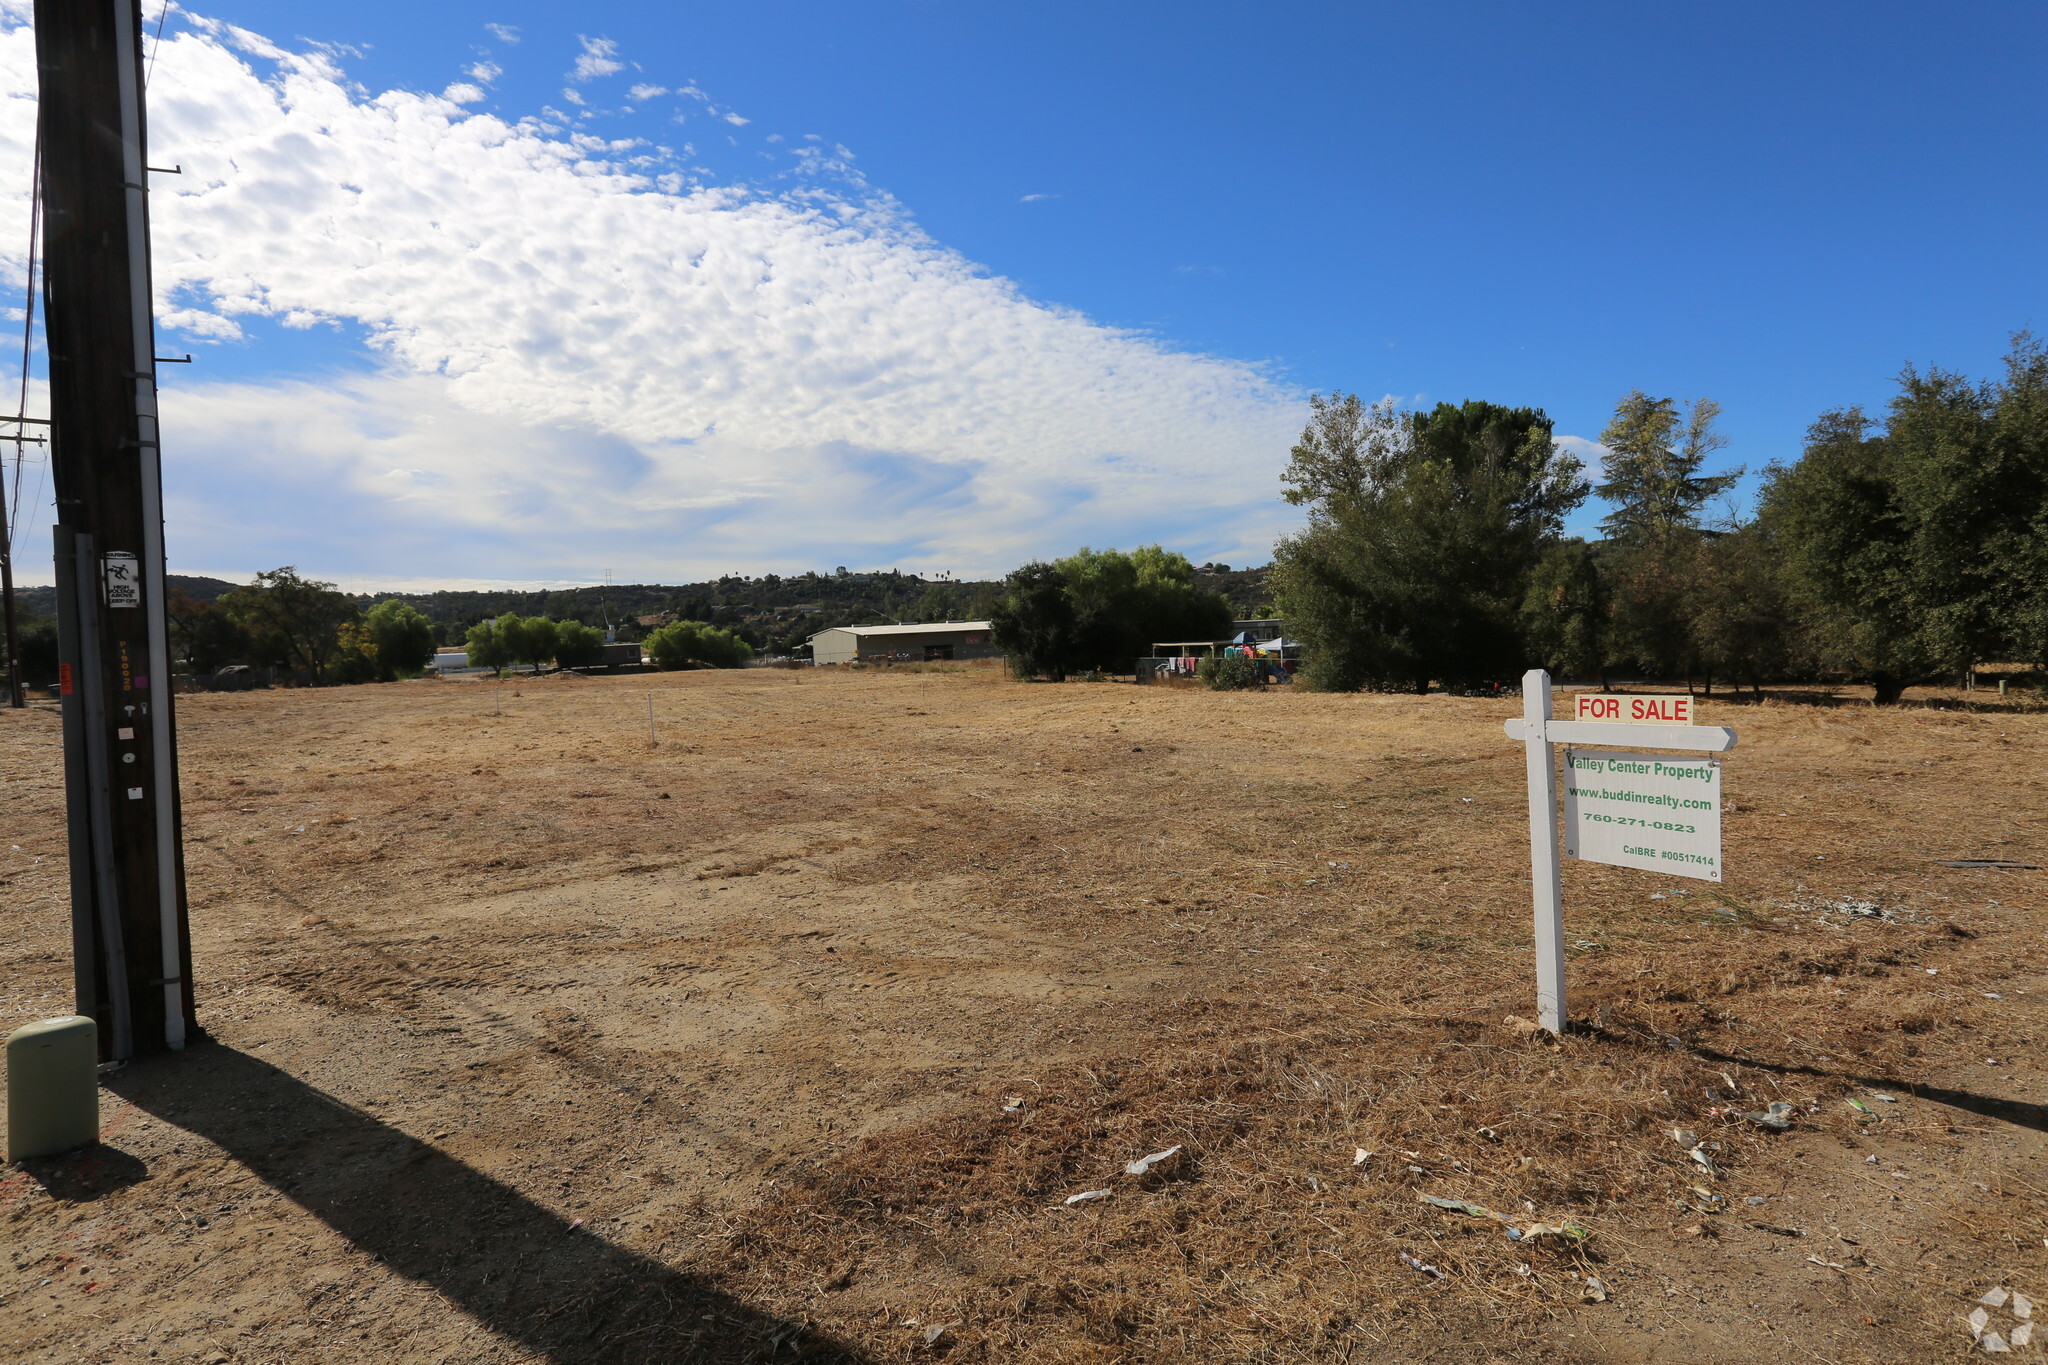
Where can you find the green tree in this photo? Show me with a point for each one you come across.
(1416, 559)
(681, 644)
(1917, 552)
(205, 634)
(1649, 586)
(290, 621)
(578, 645)
(1124, 603)
(485, 646)
(1035, 623)
(527, 639)
(38, 638)
(1847, 540)
(1103, 609)
(1652, 464)
(1740, 618)
(1348, 450)
(1971, 464)
(1564, 611)
(401, 639)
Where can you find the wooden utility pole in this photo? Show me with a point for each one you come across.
(131, 943)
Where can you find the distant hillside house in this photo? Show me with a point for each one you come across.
(919, 643)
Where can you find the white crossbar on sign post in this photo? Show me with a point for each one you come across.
(1538, 731)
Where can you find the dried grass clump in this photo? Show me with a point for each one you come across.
(1266, 1242)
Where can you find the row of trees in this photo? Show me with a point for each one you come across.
(1100, 609)
(537, 640)
(1891, 552)
(303, 626)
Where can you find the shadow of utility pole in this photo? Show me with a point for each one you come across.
(515, 1267)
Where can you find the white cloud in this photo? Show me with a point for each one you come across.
(1036, 198)
(504, 33)
(599, 58)
(588, 363)
(735, 120)
(462, 93)
(1590, 453)
(648, 92)
(486, 72)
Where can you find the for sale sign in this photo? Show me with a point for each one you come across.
(1653, 811)
(1659, 710)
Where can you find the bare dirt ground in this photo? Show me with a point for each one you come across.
(791, 1036)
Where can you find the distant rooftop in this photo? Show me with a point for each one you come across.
(915, 628)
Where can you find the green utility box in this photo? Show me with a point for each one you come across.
(53, 1087)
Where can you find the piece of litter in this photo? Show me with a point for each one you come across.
(1144, 1164)
(1685, 1137)
(1596, 1292)
(1464, 1206)
(1706, 1162)
(1413, 1264)
(2022, 1334)
(1569, 1233)
(1359, 1156)
(1870, 1161)
(1934, 971)
(1995, 1298)
(1860, 1107)
(1086, 1195)
(1525, 1027)
(1777, 1117)
(937, 1330)
(1489, 1134)
(575, 1225)
(1656, 895)
(1993, 995)
(1831, 1265)
(1979, 1320)
(1994, 1345)
(1757, 1200)
(2022, 1306)
(1013, 1103)
(1880, 1096)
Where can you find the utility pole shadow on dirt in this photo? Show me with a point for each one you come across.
(518, 1269)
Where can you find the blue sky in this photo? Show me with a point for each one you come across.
(1203, 211)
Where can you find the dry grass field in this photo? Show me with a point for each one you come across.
(790, 1036)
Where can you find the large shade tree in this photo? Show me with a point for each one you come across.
(1423, 531)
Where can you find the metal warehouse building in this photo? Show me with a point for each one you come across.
(904, 644)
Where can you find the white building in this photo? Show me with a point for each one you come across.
(916, 643)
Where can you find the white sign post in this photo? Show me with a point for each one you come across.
(1650, 791)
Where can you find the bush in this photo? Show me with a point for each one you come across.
(680, 644)
(1232, 673)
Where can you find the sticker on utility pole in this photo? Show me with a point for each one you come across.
(122, 576)
(1653, 811)
(1660, 709)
